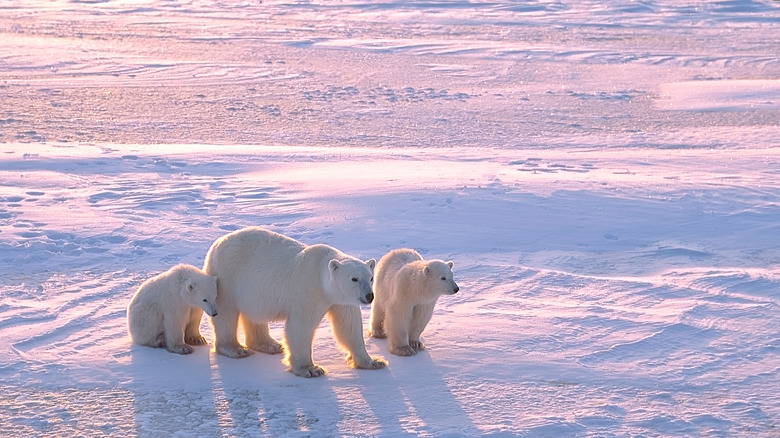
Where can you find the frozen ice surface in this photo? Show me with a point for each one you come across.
(605, 175)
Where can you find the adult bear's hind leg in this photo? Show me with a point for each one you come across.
(258, 337)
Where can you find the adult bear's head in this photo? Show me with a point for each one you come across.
(351, 280)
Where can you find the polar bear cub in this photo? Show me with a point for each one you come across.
(405, 293)
(166, 309)
(265, 276)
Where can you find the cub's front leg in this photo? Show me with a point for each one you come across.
(421, 315)
(192, 334)
(397, 324)
(173, 332)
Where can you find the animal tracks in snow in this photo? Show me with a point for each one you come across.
(538, 165)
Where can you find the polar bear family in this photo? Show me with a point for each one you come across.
(254, 276)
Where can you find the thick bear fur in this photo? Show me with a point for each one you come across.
(166, 309)
(265, 276)
(405, 293)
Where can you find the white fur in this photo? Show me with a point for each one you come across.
(265, 276)
(166, 309)
(406, 291)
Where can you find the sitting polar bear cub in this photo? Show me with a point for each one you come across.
(265, 276)
(166, 309)
(406, 290)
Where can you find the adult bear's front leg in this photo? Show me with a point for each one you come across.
(298, 338)
(347, 323)
(225, 340)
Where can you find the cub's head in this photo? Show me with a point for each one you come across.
(438, 275)
(351, 281)
(200, 290)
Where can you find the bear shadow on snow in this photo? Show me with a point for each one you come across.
(260, 395)
(159, 376)
(398, 394)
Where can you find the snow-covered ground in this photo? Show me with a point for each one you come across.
(605, 176)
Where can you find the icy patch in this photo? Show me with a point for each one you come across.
(740, 95)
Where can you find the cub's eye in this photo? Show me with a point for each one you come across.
(354, 279)
(444, 278)
(205, 300)
(372, 279)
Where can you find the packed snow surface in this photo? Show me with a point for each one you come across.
(605, 176)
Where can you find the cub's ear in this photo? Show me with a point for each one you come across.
(334, 265)
(371, 263)
(426, 270)
(190, 286)
(450, 264)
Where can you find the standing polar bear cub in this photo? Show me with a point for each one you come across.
(407, 288)
(166, 309)
(265, 276)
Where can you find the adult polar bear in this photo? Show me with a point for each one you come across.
(264, 276)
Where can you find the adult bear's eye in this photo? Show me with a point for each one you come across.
(354, 279)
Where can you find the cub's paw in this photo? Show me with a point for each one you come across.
(180, 349)
(234, 352)
(417, 345)
(196, 340)
(309, 371)
(268, 347)
(405, 350)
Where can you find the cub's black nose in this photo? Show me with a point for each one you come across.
(368, 298)
(455, 289)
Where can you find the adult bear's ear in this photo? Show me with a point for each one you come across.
(334, 265)
(450, 264)
(371, 263)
